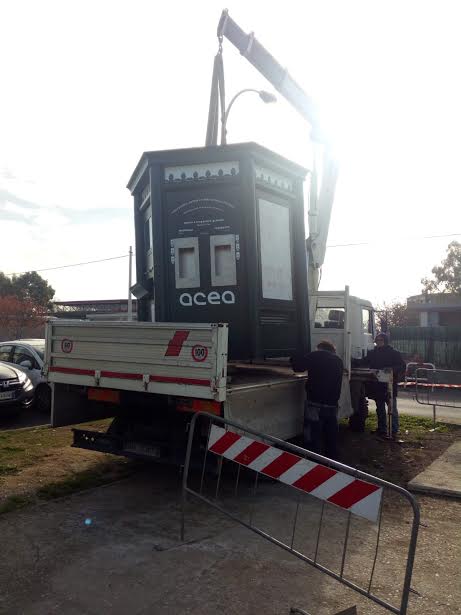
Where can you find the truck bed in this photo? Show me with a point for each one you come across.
(166, 358)
(243, 376)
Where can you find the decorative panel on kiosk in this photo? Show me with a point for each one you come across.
(228, 245)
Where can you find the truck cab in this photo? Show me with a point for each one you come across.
(345, 320)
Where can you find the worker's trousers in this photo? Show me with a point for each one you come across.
(381, 411)
(321, 429)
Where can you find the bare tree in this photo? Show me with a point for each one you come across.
(393, 315)
(18, 314)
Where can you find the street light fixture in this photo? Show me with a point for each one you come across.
(266, 97)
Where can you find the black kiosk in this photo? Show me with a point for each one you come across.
(220, 238)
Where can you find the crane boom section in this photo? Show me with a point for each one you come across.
(321, 203)
(268, 66)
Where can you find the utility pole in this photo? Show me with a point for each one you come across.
(130, 303)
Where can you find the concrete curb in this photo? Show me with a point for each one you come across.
(443, 476)
(428, 490)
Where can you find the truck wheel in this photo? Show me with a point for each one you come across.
(360, 406)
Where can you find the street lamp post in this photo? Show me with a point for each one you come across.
(266, 97)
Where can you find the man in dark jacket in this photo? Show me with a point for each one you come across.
(323, 388)
(381, 357)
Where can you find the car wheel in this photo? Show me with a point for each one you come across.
(43, 398)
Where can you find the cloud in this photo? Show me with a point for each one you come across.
(7, 196)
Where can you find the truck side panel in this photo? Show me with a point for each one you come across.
(187, 360)
(274, 408)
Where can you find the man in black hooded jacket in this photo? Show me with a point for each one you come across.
(381, 357)
(323, 389)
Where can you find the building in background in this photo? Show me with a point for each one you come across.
(100, 309)
(438, 309)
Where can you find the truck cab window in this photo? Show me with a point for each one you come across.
(329, 318)
(367, 321)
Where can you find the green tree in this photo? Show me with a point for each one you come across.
(28, 286)
(31, 286)
(447, 275)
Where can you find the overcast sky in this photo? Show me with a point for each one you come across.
(87, 86)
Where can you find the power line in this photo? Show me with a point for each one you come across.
(101, 260)
(368, 243)
(337, 245)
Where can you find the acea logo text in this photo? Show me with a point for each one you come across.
(212, 298)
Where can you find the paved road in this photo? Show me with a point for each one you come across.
(116, 550)
(26, 418)
(408, 405)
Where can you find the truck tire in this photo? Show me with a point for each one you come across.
(360, 406)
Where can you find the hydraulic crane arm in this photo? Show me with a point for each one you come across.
(322, 198)
(268, 66)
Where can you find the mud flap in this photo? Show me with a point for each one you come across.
(345, 408)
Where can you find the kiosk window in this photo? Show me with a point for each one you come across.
(275, 245)
(148, 234)
(223, 263)
(187, 264)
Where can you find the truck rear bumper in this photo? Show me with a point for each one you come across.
(117, 445)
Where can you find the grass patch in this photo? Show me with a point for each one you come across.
(86, 479)
(415, 424)
(26, 447)
(14, 502)
(11, 449)
(8, 470)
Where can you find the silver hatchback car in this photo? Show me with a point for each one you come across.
(27, 355)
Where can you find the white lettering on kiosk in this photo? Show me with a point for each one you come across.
(198, 296)
(213, 298)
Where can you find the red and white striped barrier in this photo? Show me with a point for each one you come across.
(431, 385)
(357, 496)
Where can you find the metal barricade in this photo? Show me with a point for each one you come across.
(411, 369)
(438, 388)
(318, 490)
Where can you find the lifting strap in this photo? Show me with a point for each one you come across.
(217, 99)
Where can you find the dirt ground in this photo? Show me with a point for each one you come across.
(39, 463)
(115, 548)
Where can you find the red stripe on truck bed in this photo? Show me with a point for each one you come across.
(176, 343)
(201, 382)
(73, 370)
(121, 375)
(195, 381)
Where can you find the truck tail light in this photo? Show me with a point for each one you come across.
(108, 395)
(199, 405)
